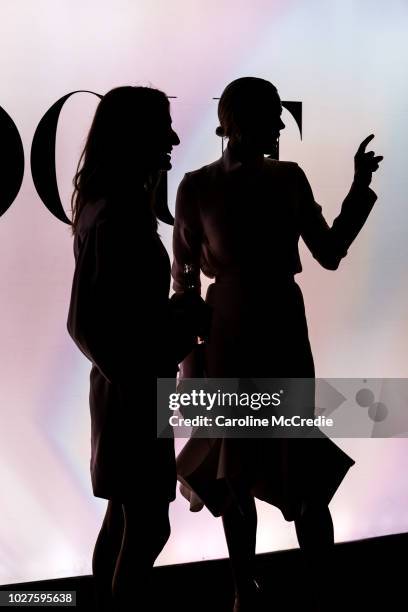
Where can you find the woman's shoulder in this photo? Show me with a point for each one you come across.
(286, 174)
(215, 168)
(211, 176)
(205, 172)
(93, 213)
(282, 167)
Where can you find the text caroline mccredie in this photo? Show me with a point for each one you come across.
(250, 421)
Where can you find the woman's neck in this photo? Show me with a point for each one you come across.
(245, 155)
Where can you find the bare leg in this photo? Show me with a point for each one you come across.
(314, 529)
(240, 523)
(146, 532)
(105, 554)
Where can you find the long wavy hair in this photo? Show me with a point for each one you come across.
(116, 156)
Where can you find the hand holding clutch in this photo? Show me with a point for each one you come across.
(191, 313)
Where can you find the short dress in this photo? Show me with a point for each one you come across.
(119, 318)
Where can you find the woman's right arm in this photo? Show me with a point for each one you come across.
(85, 318)
(112, 317)
(191, 315)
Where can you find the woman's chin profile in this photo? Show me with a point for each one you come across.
(164, 162)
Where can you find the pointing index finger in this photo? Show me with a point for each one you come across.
(361, 148)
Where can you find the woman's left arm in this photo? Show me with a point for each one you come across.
(330, 244)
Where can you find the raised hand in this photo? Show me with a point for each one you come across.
(365, 163)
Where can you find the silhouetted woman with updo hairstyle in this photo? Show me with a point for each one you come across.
(239, 220)
(120, 319)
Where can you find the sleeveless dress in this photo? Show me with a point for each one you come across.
(240, 224)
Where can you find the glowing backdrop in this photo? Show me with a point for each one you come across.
(347, 63)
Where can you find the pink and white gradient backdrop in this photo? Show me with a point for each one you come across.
(347, 63)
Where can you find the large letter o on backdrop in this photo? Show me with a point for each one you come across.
(11, 161)
(43, 157)
(43, 165)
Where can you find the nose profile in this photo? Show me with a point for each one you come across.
(175, 140)
(281, 125)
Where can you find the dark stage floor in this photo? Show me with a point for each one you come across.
(366, 575)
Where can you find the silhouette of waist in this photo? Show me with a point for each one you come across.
(251, 279)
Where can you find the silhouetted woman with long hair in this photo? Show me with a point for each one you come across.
(119, 317)
(239, 220)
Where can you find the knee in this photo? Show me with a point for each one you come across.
(314, 526)
(114, 519)
(155, 524)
